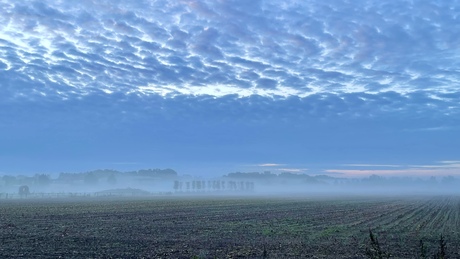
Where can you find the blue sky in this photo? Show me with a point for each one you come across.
(211, 87)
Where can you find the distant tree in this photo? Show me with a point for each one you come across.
(216, 185)
(42, 179)
(70, 177)
(9, 180)
(176, 185)
(448, 179)
(203, 185)
(24, 190)
(376, 178)
(232, 185)
(158, 173)
(112, 179)
(91, 178)
(248, 186)
(252, 186)
(433, 180)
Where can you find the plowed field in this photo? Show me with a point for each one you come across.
(170, 227)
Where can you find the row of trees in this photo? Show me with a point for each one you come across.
(94, 177)
(212, 185)
(87, 177)
(37, 179)
(269, 177)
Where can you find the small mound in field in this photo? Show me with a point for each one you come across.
(124, 191)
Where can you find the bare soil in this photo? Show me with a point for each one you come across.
(227, 227)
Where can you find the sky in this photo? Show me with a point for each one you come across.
(338, 87)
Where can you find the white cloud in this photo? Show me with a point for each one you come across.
(270, 165)
(332, 47)
(442, 168)
(371, 165)
(414, 172)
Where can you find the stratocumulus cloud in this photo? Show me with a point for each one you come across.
(281, 81)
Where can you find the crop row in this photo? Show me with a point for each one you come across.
(227, 227)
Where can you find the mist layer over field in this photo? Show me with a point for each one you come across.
(168, 182)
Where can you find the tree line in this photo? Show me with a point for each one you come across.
(212, 185)
(90, 177)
